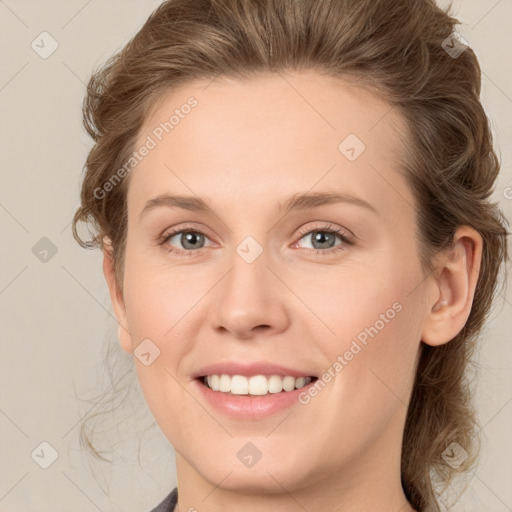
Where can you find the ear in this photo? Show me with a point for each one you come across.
(116, 297)
(453, 288)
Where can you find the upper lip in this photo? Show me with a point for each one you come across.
(256, 368)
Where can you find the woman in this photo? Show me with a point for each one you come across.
(292, 199)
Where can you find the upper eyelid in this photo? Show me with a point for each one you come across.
(327, 226)
(188, 228)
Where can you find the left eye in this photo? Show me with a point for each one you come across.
(323, 239)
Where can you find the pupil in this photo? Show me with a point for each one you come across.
(320, 236)
(190, 238)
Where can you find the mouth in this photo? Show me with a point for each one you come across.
(255, 385)
(252, 391)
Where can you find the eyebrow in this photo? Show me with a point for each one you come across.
(296, 202)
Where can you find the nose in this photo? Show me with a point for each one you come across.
(250, 301)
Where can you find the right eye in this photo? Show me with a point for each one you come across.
(190, 239)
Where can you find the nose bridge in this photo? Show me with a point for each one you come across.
(249, 269)
(251, 295)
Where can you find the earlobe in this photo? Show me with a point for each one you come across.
(116, 297)
(453, 288)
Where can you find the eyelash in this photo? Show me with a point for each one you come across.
(302, 232)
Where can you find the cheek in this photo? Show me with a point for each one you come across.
(377, 330)
(352, 298)
(375, 384)
(159, 297)
(157, 303)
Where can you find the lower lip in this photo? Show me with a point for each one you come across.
(250, 407)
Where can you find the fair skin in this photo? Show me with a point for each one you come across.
(245, 149)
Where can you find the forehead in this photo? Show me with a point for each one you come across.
(262, 139)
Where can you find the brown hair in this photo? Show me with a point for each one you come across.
(393, 48)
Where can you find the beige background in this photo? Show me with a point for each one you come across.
(55, 316)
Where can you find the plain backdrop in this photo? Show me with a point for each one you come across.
(55, 313)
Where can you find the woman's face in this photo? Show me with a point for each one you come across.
(299, 259)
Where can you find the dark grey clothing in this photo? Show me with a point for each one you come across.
(169, 502)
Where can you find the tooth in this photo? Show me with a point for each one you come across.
(275, 384)
(214, 382)
(258, 385)
(289, 383)
(239, 385)
(300, 382)
(225, 383)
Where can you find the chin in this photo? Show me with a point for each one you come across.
(265, 480)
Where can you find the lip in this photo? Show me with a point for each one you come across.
(249, 407)
(249, 370)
